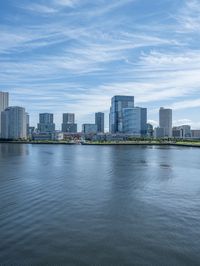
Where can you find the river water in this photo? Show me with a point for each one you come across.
(99, 205)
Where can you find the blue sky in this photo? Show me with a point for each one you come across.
(74, 55)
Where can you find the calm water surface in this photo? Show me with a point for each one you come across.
(105, 205)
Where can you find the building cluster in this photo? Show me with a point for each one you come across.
(125, 121)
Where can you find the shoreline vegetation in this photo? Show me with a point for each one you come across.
(151, 142)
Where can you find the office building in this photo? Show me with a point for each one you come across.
(14, 123)
(195, 133)
(69, 128)
(165, 121)
(89, 128)
(182, 132)
(68, 124)
(27, 124)
(134, 121)
(68, 118)
(4, 103)
(159, 132)
(99, 121)
(46, 123)
(150, 130)
(118, 103)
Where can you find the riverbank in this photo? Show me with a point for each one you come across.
(146, 143)
(141, 142)
(39, 142)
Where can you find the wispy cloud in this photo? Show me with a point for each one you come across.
(68, 3)
(75, 55)
(188, 16)
(53, 6)
(39, 8)
(186, 104)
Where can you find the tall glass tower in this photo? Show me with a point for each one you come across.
(118, 103)
(135, 121)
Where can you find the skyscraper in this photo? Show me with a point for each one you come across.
(118, 103)
(165, 121)
(69, 124)
(46, 123)
(14, 123)
(99, 121)
(4, 103)
(135, 121)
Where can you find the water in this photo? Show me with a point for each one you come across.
(103, 205)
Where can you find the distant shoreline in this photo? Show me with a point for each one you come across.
(122, 143)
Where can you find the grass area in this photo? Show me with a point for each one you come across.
(147, 142)
(192, 143)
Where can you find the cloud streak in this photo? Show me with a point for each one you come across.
(75, 55)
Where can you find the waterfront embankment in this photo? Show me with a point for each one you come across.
(100, 143)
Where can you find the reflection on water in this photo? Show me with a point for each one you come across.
(111, 205)
(13, 149)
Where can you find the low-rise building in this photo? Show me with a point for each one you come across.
(43, 136)
(57, 136)
(182, 132)
(159, 132)
(195, 133)
(89, 129)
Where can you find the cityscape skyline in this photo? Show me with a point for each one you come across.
(64, 55)
(78, 126)
(125, 121)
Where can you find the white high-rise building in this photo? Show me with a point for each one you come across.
(14, 123)
(165, 121)
(4, 102)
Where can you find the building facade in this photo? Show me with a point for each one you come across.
(99, 121)
(159, 132)
(14, 123)
(69, 128)
(68, 124)
(183, 132)
(150, 130)
(134, 121)
(46, 123)
(27, 124)
(89, 128)
(69, 118)
(195, 133)
(165, 121)
(118, 103)
(4, 103)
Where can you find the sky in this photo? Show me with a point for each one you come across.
(73, 55)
